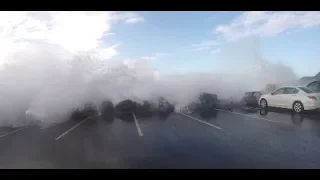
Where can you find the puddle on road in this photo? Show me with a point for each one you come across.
(306, 120)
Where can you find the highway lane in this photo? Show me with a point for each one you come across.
(216, 139)
(31, 147)
(274, 144)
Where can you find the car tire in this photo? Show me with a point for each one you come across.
(298, 107)
(263, 103)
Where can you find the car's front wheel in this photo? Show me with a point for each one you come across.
(263, 103)
(297, 107)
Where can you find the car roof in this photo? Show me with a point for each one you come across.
(292, 87)
(313, 82)
(289, 87)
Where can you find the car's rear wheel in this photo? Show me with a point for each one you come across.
(263, 103)
(297, 107)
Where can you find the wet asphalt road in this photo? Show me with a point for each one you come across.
(243, 138)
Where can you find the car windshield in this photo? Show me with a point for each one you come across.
(306, 90)
(314, 86)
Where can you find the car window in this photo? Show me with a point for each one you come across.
(314, 86)
(279, 91)
(248, 94)
(307, 90)
(257, 94)
(291, 91)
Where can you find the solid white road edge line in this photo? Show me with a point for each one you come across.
(137, 125)
(248, 115)
(65, 133)
(200, 121)
(15, 131)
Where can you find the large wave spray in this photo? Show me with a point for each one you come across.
(46, 82)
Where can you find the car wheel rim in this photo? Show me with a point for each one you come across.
(297, 107)
(263, 104)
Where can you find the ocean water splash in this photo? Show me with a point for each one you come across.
(41, 78)
(41, 83)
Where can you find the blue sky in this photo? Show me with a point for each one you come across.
(208, 41)
(287, 37)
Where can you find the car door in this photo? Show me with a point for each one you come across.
(250, 99)
(289, 96)
(276, 98)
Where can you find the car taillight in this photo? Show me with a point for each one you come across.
(312, 97)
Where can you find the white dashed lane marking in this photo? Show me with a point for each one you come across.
(137, 125)
(65, 133)
(4, 135)
(201, 121)
(247, 115)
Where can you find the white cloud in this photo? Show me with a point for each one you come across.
(204, 45)
(148, 57)
(135, 20)
(154, 57)
(216, 51)
(109, 34)
(267, 23)
(108, 53)
(74, 31)
(128, 17)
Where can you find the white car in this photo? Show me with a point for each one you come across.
(296, 98)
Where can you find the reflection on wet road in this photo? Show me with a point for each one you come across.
(241, 138)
